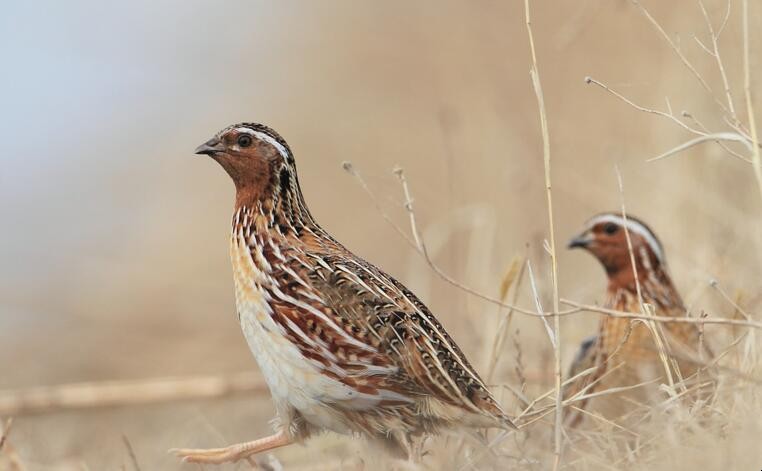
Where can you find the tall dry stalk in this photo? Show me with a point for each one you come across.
(535, 74)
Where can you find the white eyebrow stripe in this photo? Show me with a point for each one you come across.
(633, 227)
(267, 138)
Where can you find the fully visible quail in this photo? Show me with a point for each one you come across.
(343, 346)
(624, 351)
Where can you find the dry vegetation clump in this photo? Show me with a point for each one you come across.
(682, 429)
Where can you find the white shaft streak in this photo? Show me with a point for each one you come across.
(442, 340)
(320, 315)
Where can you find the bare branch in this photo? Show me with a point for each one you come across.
(680, 54)
(724, 21)
(702, 45)
(663, 319)
(727, 149)
(718, 58)
(669, 116)
(119, 393)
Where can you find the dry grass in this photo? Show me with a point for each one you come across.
(74, 361)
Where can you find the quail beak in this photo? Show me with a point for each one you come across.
(583, 240)
(211, 147)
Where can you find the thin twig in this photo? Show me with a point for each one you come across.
(539, 414)
(716, 54)
(504, 322)
(12, 459)
(724, 21)
(623, 98)
(350, 169)
(702, 133)
(664, 319)
(680, 54)
(613, 390)
(4, 432)
(719, 136)
(538, 304)
(720, 143)
(409, 207)
(131, 452)
(703, 46)
(519, 368)
(600, 418)
(716, 285)
(420, 246)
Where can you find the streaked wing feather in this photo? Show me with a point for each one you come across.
(397, 349)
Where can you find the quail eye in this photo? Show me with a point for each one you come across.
(610, 228)
(244, 140)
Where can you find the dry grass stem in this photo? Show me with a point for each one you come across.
(756, 159)
(537, 84)
(645, 310)
(538, 304)
(514, 274)
(350, 169)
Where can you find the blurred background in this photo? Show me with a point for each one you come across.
(113, 249)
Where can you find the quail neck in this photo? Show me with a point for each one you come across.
(262, 167)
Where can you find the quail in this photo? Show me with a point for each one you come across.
(342, 345)
(624, 352)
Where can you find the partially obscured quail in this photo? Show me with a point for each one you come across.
(624, 351)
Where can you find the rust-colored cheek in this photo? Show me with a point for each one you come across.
(611, 256)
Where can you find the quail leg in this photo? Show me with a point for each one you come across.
(232, 453)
